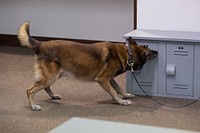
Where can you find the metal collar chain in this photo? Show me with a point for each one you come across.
(130, 61)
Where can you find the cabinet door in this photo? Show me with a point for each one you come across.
(181, 83)
(148, 75)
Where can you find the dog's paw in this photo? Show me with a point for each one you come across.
(125, 102)
(36, 107)
(56, 97)
(128, 96)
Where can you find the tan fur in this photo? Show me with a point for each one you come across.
(23, 35)
(99, 62)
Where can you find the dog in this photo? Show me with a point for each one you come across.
(98, 62)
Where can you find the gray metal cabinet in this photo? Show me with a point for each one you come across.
(175, 72)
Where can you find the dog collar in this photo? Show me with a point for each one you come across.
(130, 60)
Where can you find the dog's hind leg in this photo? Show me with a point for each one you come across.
(40, 85)
(31, 92)
(120, 91)
(46, 73)
(52, 95)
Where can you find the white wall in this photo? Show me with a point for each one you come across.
(178, 15)
(77, 19)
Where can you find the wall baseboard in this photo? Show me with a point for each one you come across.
(11, 40)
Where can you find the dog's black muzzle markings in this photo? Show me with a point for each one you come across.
(154, 54)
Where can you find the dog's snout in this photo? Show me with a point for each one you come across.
(154, 53)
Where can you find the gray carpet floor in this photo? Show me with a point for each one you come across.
(79, 99)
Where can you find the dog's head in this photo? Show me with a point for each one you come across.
(141, 55)
(144, 54)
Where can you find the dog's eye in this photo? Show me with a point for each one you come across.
(146, 46)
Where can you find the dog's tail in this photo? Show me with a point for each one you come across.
(25, 38)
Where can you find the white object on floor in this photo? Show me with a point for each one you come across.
(82, 125)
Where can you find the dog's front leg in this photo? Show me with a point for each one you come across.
(105, 84)
(120, 90)
(103, 78)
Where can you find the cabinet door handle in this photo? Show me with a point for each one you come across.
(171, 69)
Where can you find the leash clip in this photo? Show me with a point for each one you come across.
(131, 63)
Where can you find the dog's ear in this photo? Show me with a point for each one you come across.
(131, 41)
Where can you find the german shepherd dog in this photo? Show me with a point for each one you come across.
(99, 62)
